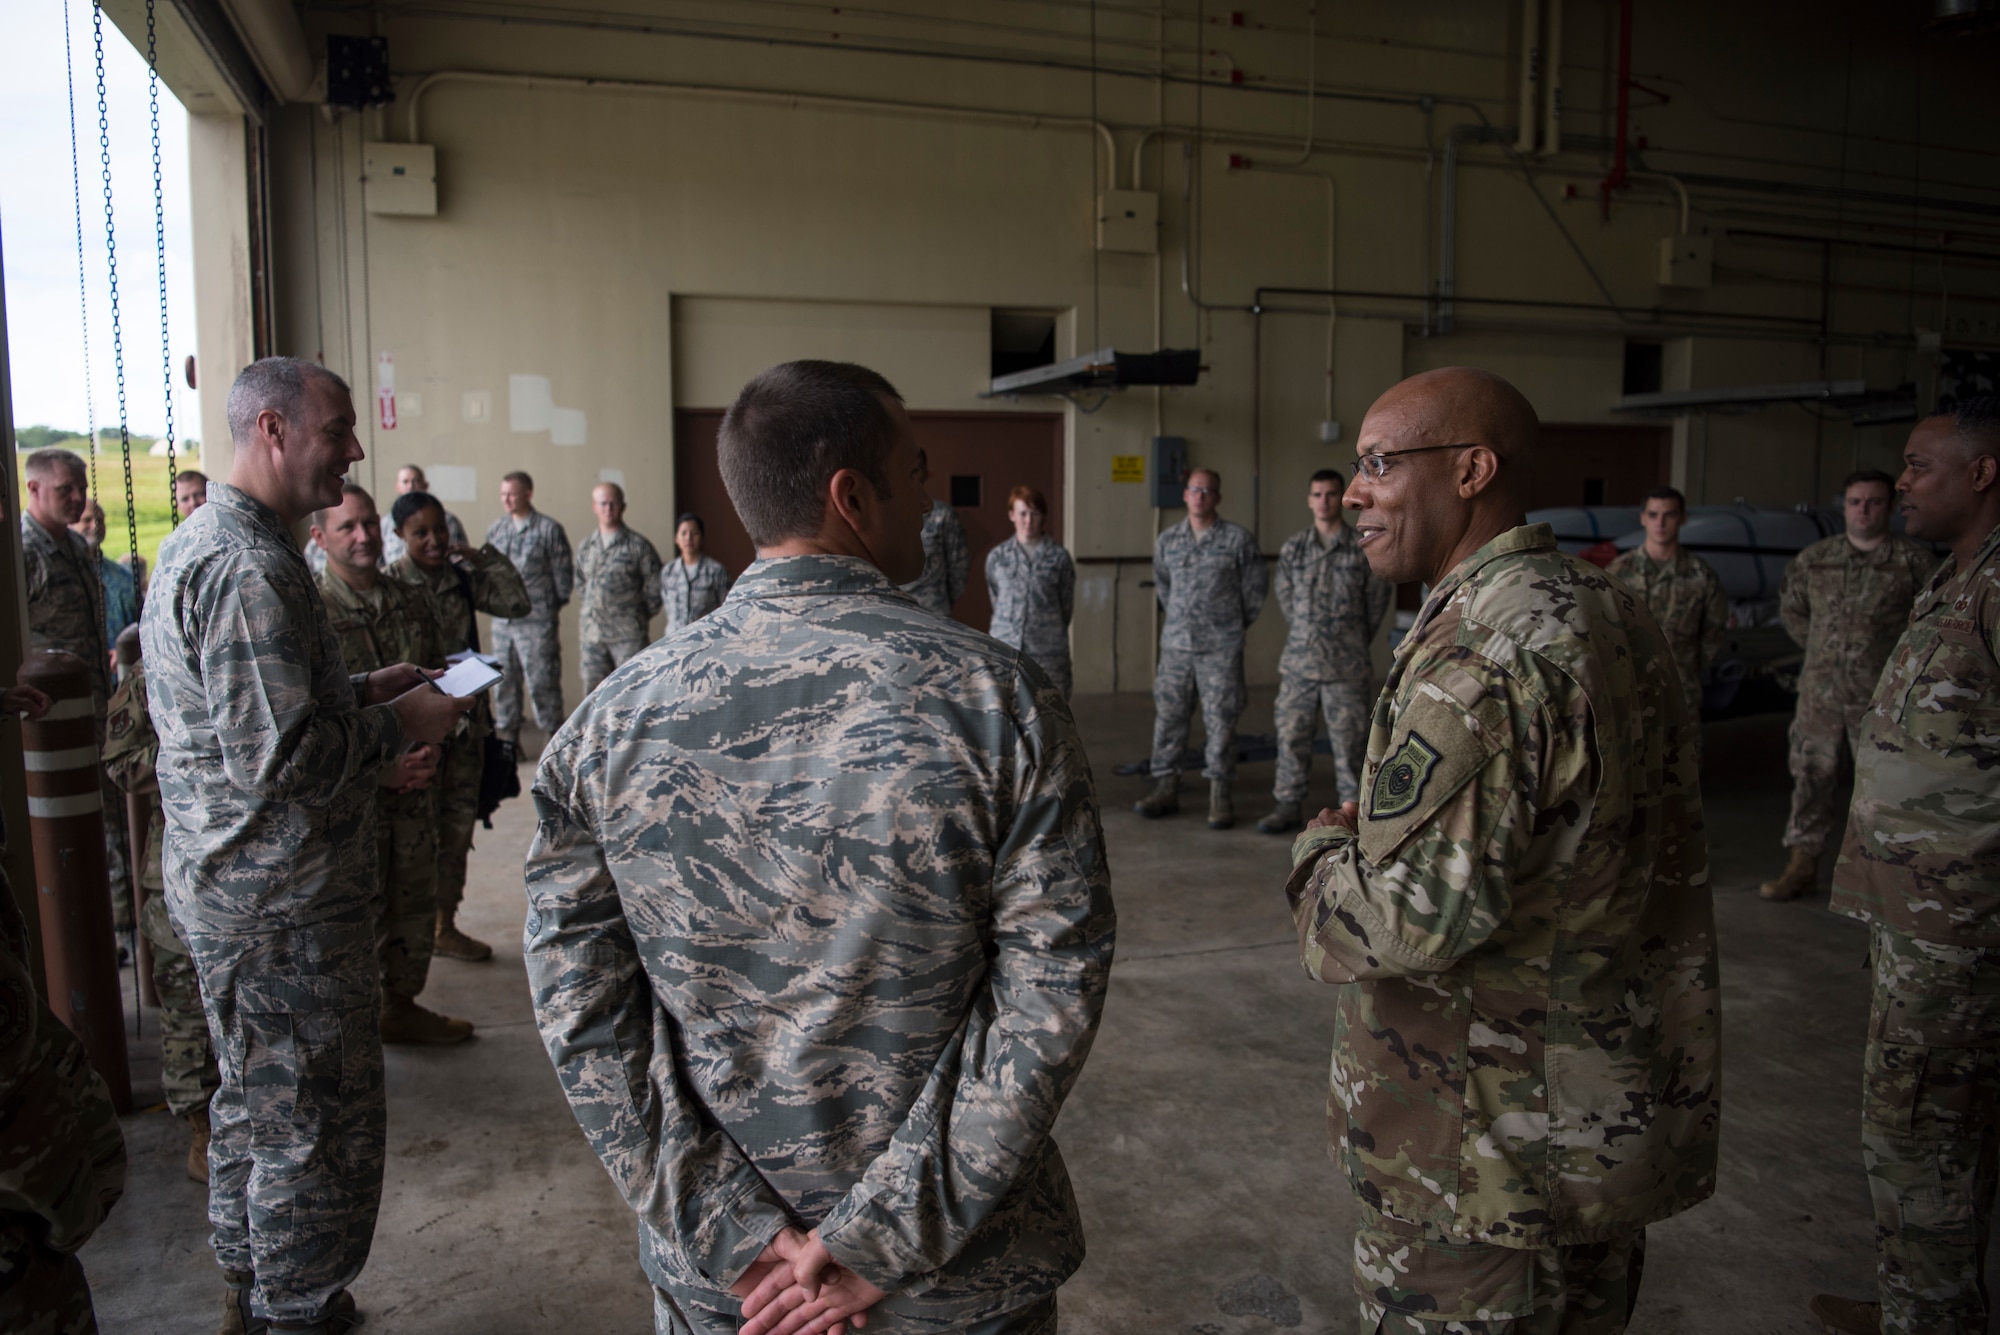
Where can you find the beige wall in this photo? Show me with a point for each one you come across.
(647, 249)
(219, 203)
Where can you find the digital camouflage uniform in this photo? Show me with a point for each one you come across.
(1921, 865)
(529, 646)
(390, 624)
(267, 768)
(1333, 604)
(1525, 1050)
(1034, 595)
(1212, 586)
(66, 613)
(621, 596)
(947, 562)
(488, 583)
(855, 852)
(1687, 600)
(121, 597)
(1846, 607)
(188, 1075)
(689, 595)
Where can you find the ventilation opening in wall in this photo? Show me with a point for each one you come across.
(1642, 367)
(965, 490)
(1022, 340)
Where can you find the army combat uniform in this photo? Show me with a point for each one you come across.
(947, 562)
(1333, 604)
(855, 852)
(1526, 1032)
(691, 594)
(1686, 598)
(1846, 607)
(1212, 587)
(529, 646)
(1034, 595)
(1921, 865)
(267, 768)
(394, 548)
(621, 596)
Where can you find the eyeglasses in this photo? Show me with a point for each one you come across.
(1207, 491)
(1375, 466)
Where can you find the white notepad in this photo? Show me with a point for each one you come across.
(469, 677)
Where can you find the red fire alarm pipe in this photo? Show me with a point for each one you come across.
(1617, 179)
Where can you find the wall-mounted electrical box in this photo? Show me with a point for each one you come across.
(1128, 221)
(1687, 261)
(1169, 469)
(399, 178)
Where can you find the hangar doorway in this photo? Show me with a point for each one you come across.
(976, 458)
(1590, 464)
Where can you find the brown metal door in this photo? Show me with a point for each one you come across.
(1599, 465)
(975, 460)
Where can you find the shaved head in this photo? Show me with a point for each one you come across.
(1460, 404)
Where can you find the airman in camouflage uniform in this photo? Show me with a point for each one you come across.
(1034, 595)
(1333, 604)
(620, 571)
(1845, 599)
(850, 854)
(411, 478)
(947, 555)
(1210, 579)
(463, 582)
(1681, 590)
(266, 769)
(529, 647)
(1921, 865)
(1517, 916)
(692, 585)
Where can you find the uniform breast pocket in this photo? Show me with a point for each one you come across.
(1952, 702)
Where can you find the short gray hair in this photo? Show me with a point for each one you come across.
(790, 430)
(44, 462)
(276, 383)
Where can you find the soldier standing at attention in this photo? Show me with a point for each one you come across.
(620, 570)
(1517, 912)
(530, 647)
(461, 581)
(1210, 578)
(692, 585)
(1845, 599)
(380, 622)
(819, 924)
(267, 767)
(1032, 583)
(1333, 604)
(947, 555)
(1681, 590)
(1921, 866)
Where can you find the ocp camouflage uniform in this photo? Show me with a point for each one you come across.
(1334, 603)
(188, 1075)
(490, 584)
(689, 595)
(66, 613)
(266, 770)
(621, 596)
(1525, 1042)
(1921, 865)
(1212, 587)
(1846, 607)
(529, 646)
(395, 623)
(855, 852)
(947, 562)
(1034, 595)
(394, 548)
(1686, 598)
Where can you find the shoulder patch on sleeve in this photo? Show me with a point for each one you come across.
(1433, 753)
(1399, 784)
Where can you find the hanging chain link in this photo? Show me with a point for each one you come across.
(82, 283)
(111, 256)
(160, 253)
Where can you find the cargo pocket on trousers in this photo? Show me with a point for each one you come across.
(1892, 1076)
(292, 1066)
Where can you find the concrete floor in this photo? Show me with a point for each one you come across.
(1196, 1135)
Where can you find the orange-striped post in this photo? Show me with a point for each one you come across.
(66, 822)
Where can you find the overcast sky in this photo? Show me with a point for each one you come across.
(38, 227)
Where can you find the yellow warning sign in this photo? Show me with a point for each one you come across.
(1128, 468)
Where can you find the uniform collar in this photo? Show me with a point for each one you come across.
(334, 589)
(239, 502)
(1524, 538)
(1948, 573)
(812, 576)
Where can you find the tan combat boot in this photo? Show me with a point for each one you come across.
(1801, 874)
(197, 1165)
(1164, 800)
(236, 1318)
(1221, 804)
(1284, 818)
(404, 1021)
(456, 945)
(1847, 1316)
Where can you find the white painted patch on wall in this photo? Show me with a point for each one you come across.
(453, 482)
(615, 476)
(531, 406)
(568, 426)
(410, 405)
(476, 406)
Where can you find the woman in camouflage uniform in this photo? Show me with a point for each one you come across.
(1033, 585)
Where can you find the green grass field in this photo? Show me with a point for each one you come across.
(149, 491)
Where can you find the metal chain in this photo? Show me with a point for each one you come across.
(82, 283)
(160, 253)
(111, 256)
